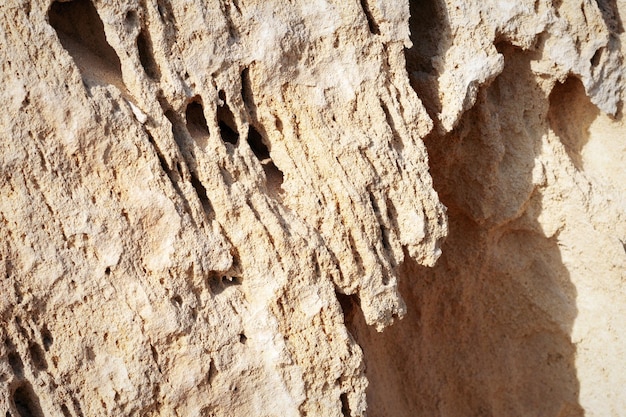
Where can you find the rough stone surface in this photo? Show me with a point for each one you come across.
(213, 208)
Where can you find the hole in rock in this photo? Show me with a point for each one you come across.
(146, 55)
(212, 372)
(214, 285)
(218, 283)
(226, 121)
(65, 411)
(38, 356)
(345, 407)
(228, 280)
(81, 33)
(242, 338)
(279, 124)
(274, 175)
(431, 37)
(131, 18)
(107, 271)
(228, 135)
(26, 402)
(246, 88)
(16, 364)
(595, 59)
(255, 140)
(350, 304)
(196, 122)
(177, 300)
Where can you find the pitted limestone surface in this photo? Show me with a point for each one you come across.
(210, 207)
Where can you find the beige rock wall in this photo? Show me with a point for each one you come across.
(524, 314)
(211, 208)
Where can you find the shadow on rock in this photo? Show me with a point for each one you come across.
(488, 328)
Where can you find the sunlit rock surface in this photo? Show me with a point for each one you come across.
(265, 208)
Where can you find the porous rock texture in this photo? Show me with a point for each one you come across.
(213, 208)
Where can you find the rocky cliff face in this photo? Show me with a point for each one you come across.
(215, 208)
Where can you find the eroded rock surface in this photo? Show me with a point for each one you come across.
(213, 207)
(523, 314)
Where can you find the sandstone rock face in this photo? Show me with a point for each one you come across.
(213, 208)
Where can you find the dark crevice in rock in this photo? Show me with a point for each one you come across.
(199, 130)
(259, 148)
(196, 122)
(37, 356)
(246, 89)
(610, 14)
(173, 174)
(16, 364)
(164, 7)
(597, 56)
(226, 121)
(146, 55)
(201, 191)
(371, 23)
(345, 407)
(177, 300)
(273, 174)
(350, 305)
(155, 357)
(431, 37)
(218, 283)
(212, 372)
(179, 130)
(26, 401)
(384, 230)
(397, 138)
(77, 408)
(81, 33)
(65, 411)
(164, 165)
(196, 128)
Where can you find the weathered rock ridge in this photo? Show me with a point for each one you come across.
(214, 208)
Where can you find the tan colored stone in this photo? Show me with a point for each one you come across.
(212, 208)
